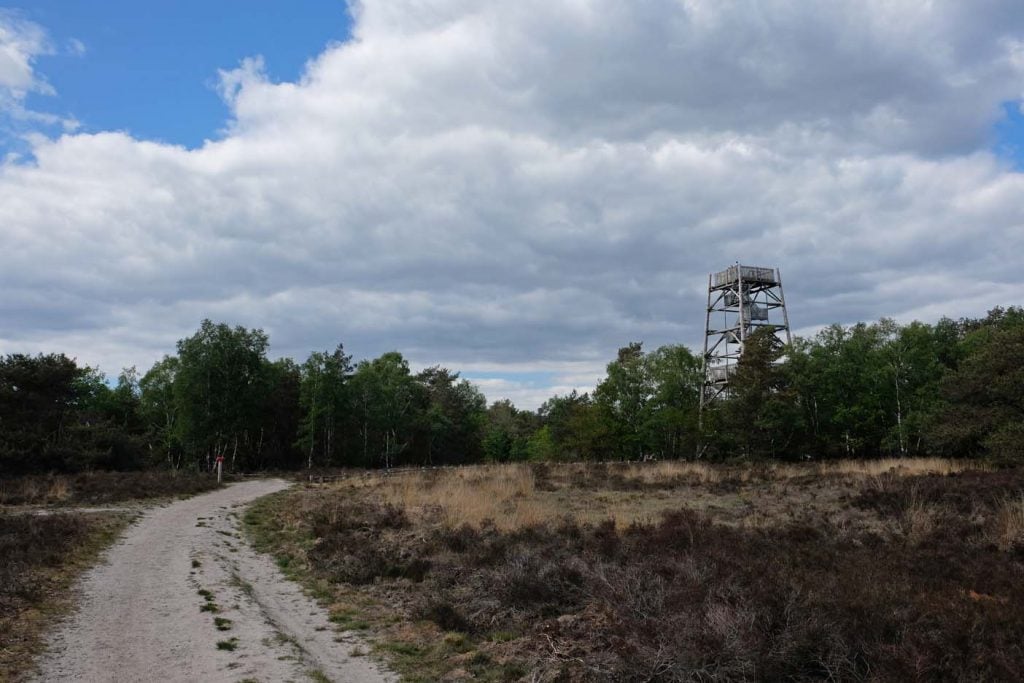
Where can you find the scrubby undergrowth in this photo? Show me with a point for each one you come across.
(98, 488)
(876, 577)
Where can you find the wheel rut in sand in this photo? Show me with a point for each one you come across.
(182, 597)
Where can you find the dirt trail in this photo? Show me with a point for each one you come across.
(141, 615)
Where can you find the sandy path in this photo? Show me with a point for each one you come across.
(140, 616)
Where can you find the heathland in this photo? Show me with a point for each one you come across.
(885, 570)
(851, 509)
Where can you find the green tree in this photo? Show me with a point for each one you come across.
(109, 430)
(280, 415)
(540, 447)
(453, 418)
(55, 415)
(846, 389)
(219, 387)
(913, 355)
(624, 397)
(982, 401)
(507, 433)
(385, 398)
(39, 399)
(159, 412)
(580, 429)
(760, 417)
(326, 406)
(672, 424)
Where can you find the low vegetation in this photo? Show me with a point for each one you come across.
(903, 570)
(231, 644)
(101, 488)
(40, 555)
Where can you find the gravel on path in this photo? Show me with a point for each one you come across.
(182, 597)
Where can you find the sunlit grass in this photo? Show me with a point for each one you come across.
(511, 496)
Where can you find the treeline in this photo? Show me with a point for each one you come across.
(954, 388)
(220, 396)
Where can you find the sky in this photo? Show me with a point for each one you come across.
(511, 190)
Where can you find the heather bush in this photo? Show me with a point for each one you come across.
(930, 589)
(100, 488)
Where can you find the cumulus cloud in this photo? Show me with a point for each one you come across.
(524, 187)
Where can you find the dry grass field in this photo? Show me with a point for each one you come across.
(883, 570)
(515, 496)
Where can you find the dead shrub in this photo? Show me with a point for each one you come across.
(531, 578)
(444, 614)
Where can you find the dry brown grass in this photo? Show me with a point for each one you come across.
(1009, 524)
(707, 473)
(918, 518)
(505, 494)
(901, 466)
(508, 495)
(36, 490)
(884, 570)
(513, 495)
(58, 491)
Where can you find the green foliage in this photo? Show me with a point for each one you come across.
(673, 424)
(280, 414)
(507, 434)
(159, 412)
(38, 400)
(221, 377)
(624, 396)
(385, 396)
(760, 418)
(541, 447)
(981, 407)
(648, 403)
(325, 403)
(55, 415)
(579, 428)
(453, 415)
(866, 390)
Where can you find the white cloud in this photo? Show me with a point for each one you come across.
(527, 186)
(76, 47)
(21, 42)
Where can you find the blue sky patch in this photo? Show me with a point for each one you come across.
(1009, 143)
(149, 68)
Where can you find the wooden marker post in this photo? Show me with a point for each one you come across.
(220, 467)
